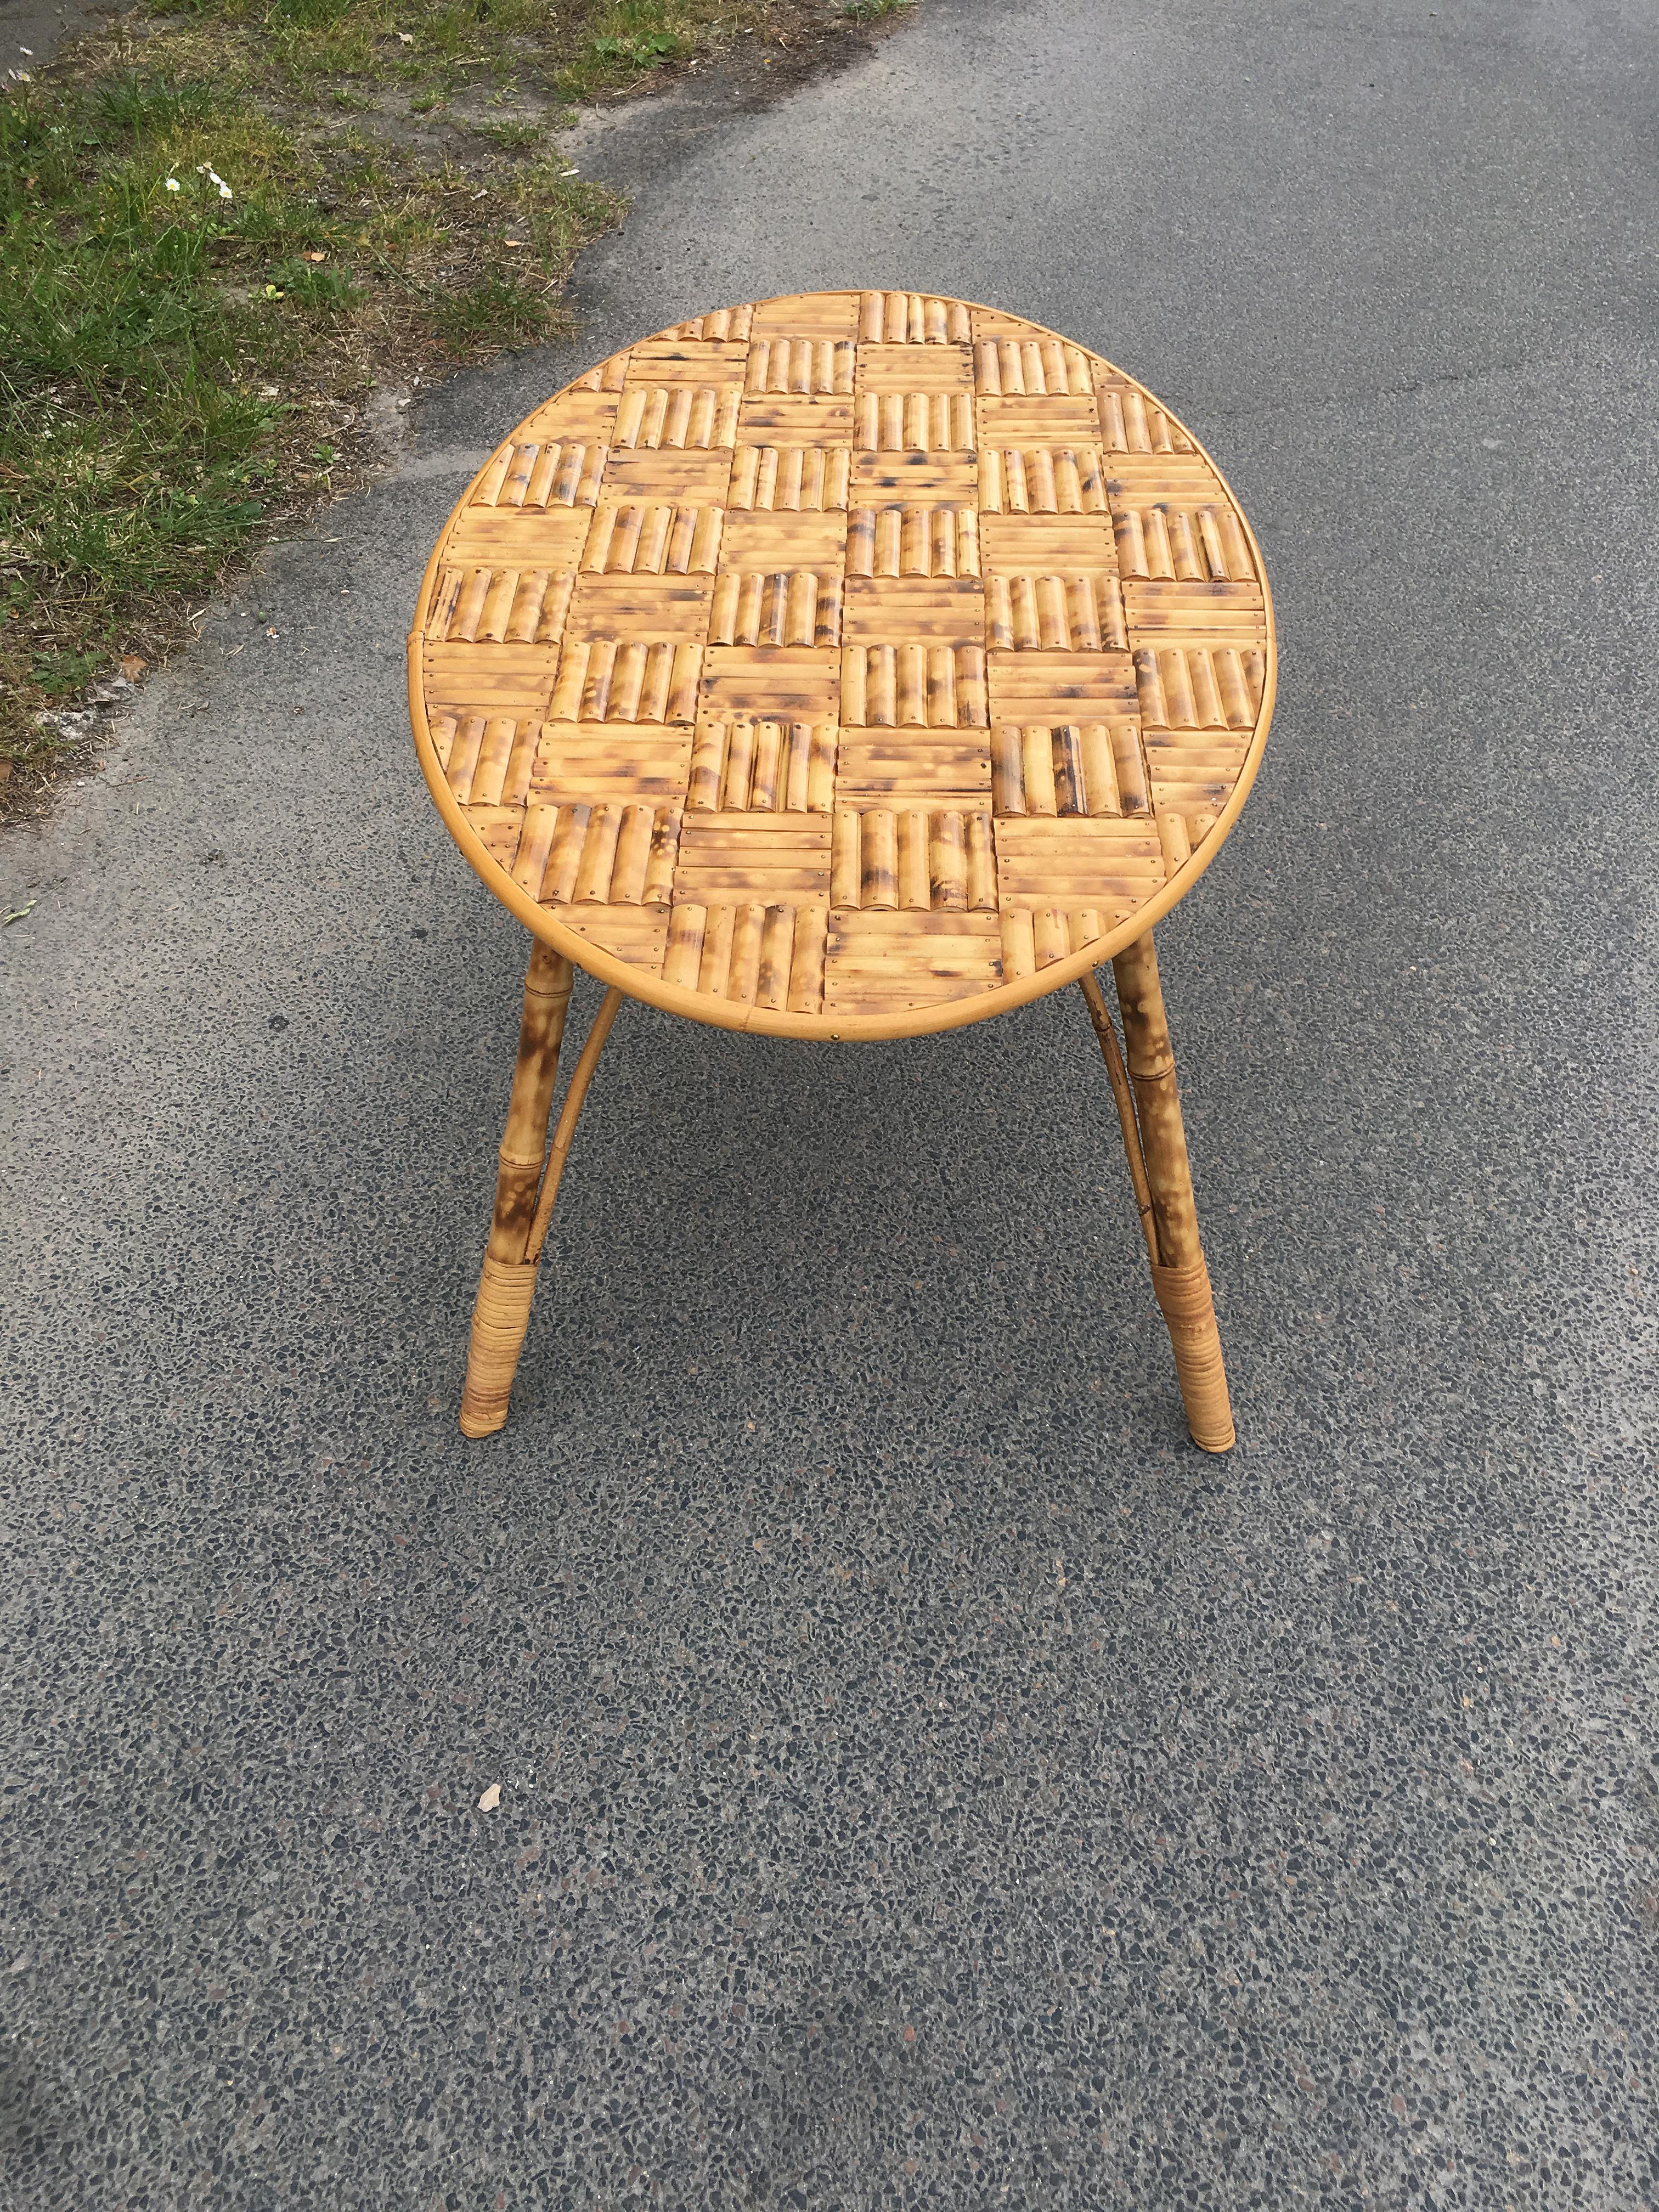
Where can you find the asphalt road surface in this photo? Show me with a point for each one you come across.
(924, 1780)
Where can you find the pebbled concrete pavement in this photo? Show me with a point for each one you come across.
(924, 1780)
(30, 31)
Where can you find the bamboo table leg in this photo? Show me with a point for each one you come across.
(1149, 1108)
(526, 1183)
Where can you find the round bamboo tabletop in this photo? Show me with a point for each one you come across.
(846, 665)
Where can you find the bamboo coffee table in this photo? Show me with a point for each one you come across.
(853, 665)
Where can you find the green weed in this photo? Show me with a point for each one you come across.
(641, 53)
(512, 136)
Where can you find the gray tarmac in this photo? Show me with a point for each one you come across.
(925, 1779)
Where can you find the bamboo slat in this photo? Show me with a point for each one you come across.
(508, 1278)
(901, 368)
(913, 318)
(883, 556)
(1123, 1099)
(1180, 1278)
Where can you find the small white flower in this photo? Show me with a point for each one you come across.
(224, 191)
(173, 184)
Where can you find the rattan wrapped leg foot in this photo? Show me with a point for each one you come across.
(501, 1316)
(1183, 1294)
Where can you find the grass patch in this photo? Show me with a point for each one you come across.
(222, 223)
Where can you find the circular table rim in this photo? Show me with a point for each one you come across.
(772, 1021)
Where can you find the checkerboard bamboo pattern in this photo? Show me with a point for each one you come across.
(850, 663)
